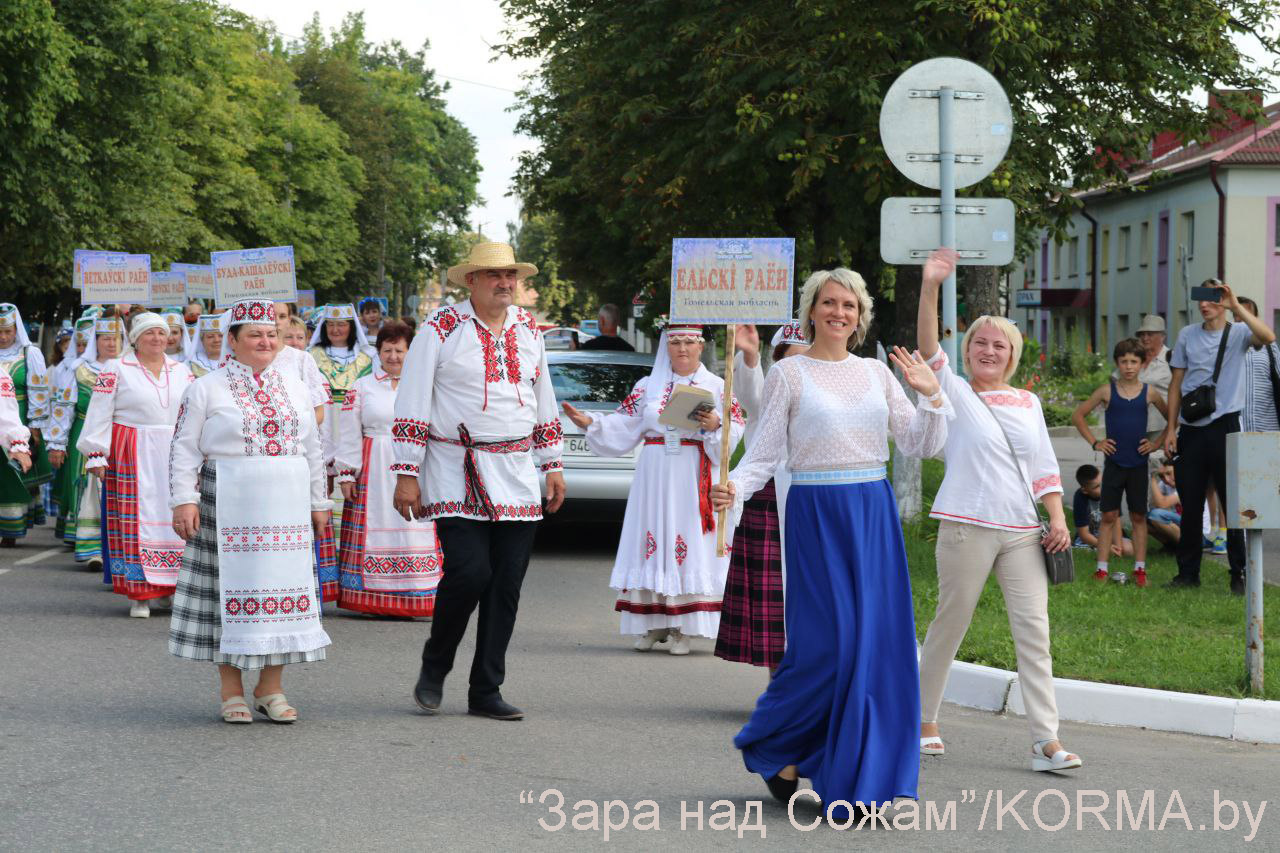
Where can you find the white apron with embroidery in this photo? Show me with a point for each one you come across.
(267, 584)
(159, 548)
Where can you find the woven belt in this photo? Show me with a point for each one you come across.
(477, 496)
(704, 482)
(840, 477)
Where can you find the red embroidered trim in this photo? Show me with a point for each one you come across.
(93, 457)
(545, 435)
(490, 346)
(269, 423)
(551, 466)
(404, 468)
(666, 396)
(529, 511)
(682, 550)
(402, 564)
(282, 537)
(667, 609)
(19, 446)
(106, 383)
(267, 605)
(512, 350)
(446, 321)
(735, 413)
(6, 388)
(1020, 399)
(1046, 483)
(154, 559)
(349, 404)
(347, 472)
(630, 405)
(650, 545)
(512, 445)
(410, 431)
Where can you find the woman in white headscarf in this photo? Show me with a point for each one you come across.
(80, 503)
(125, 440)
(669, 580)
(177, 348)
(20, 509)
(204, 348)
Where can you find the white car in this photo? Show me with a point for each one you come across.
(563, 338)
(596, 486)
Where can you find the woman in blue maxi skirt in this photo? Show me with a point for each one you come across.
(842, 709)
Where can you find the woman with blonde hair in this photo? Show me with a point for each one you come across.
(987, 522)
(833, 712)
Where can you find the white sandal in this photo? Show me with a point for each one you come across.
(1058, 761)
(274, 705)
(927, 747)
(236, 710)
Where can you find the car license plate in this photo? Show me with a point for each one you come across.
(577, 446)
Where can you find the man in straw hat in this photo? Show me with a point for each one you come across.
(476, 422)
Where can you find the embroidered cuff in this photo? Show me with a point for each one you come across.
(19, 446)
(404, 468)
(407, 431)
(1045, 485)
(554, 465)
(346, 475)
(95, 460)
(60, 446)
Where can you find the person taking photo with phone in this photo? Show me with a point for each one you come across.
(1206, 395)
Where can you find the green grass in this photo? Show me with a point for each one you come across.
(1188, 640)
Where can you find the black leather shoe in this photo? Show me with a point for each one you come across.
(428, 692)
(1179, 582)
(1237, 584)
(782, 789)
(495, 709)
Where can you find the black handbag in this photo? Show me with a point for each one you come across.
(1200, 402)
(1274, 376)
(1059, 565)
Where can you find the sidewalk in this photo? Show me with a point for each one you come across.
(1072, 452)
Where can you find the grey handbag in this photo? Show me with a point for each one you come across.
(1060, 565)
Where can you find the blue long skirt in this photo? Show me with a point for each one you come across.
(844, 706)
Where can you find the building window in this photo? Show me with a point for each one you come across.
(1277, 236)
(1073, 257)
(1106, 249)
(1189, 234)
(1123, 247)
(1144, 244)
(1057, 260)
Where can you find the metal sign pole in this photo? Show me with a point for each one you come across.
(1253, 612)
(947, 176)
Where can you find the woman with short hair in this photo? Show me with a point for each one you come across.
(987, 519)
(125, 441)
(248, 492)
(841, 708)
(389, 566)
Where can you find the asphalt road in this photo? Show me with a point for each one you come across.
(107, 743)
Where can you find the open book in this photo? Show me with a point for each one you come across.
(685, 403)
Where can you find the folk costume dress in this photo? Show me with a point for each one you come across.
(843, 705)
(667, 573)
(20, 505)
(340, 366)
(752, 625)
(128, 429)
(247, 452)
(389, 566)
(14, 435)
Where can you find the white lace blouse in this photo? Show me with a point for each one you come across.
(835, 415)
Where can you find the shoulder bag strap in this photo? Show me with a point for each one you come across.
(1017, 464)
(1222, 350)
(1274, 376)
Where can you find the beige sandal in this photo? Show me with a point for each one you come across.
(236, 710)
(275, 706)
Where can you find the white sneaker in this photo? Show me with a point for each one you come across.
(679, 643)
(140, 610)
(646, 641)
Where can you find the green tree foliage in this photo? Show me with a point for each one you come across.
(558, 298)
(674, 118)
(179, 127)
(419, 162)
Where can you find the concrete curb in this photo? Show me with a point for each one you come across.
(1252, 720)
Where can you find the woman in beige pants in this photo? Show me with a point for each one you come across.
(987, 519)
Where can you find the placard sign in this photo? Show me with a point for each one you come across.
(199, 279)
(306, 299)
(732, 280)
(254, 274)
(115, 278)
(168, 289)
(77, 272)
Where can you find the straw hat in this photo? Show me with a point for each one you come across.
(490, 256)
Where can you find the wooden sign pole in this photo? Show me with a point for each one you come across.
(731, 332)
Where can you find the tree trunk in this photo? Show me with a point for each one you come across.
(979, 291)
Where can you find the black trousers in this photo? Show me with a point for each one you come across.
(484, 564)
(1202, 458)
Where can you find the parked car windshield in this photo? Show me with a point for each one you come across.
(595, 383)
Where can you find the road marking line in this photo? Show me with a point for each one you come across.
(2, 571)
(35, 558)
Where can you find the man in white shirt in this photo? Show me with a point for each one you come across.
(476, 422)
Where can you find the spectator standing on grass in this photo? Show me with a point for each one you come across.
(1155, 370)
(608, 339)
(1261, 384)
(1165, 514)
(1086, 507)
(1201, 445)
(1126, 447)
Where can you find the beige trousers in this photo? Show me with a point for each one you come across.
(966, 555)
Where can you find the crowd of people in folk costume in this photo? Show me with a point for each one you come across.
(194, 458)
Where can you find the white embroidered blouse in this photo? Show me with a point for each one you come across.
(368, 411)
(300, 363)
(835, 415)
(981, 485)
(12, 431)
(127, 393)
(230, 414)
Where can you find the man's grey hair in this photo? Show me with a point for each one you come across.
(610, 315)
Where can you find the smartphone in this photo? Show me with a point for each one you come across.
(1206, 294)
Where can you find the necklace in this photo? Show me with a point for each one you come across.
(156, 386)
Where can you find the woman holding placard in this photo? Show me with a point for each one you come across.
(670, 582)
(841, 708)
(248, 490)
(125, 440)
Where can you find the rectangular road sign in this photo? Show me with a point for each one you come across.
(911, 228)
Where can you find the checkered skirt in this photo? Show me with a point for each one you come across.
(751, 619)
(195, 629)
